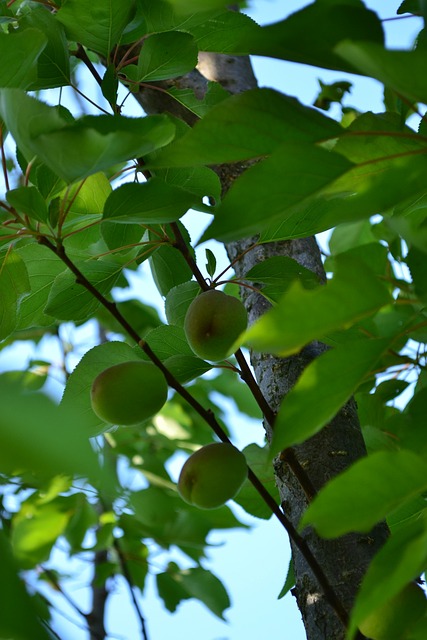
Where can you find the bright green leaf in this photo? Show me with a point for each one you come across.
(78, 149)
(266, 192)
(402, 559)
(323, 388)
(304, 315)
(14, 284)
(166, 55)
(367, 492)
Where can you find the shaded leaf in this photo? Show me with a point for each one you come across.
(15, 600)
(19, 53)
(149, 202)
(14, 284)
(248, 125)
(70, 300)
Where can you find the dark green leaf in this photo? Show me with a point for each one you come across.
(176, 584)
(178, 300)
(278, 273)
(15, 600)
(96, 24)
(289, 582)
(248, 125)
(19, 53)
(28, 200)
(169, 269)
(70, 300)
(367, 492)
(149, 202)
(53, 65)
(390, 67)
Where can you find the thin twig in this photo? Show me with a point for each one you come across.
(131, 586)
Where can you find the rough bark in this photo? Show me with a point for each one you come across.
(340, 443)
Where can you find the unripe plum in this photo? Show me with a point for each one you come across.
(129, 392)
(213, 322)
(394, 618)
(212, 475)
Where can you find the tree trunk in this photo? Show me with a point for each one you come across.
(339, 444)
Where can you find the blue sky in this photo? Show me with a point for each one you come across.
(252, 563)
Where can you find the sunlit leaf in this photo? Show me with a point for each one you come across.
(325, 385)
(367, 492)
(303, 315)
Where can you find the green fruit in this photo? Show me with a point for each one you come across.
(213, 323)
(129, 393)
(394, 618)
(212, 475)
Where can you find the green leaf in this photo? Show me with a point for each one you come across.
(367, 492)
(167, 341)
(389, 67)
(278, 273)
(251, 124)
(210, 262)
(166, 55)
(15, 600)
(70, 300)
(178, 300)
(35, 530)
(185, 368)
(53, 65)
(267, 192)
(402, 559)
(169, 269)
(327, 24)
(97, 24)
(14, 285)
(29, 201)
(322, 389)
(19, 54)
(149, 202)
(43, 267)
(200, 106)
(289, 582)
(304, 315)
(86, 146)
(79, 383)
(259, 461)
(178, 584)
(41, 437)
